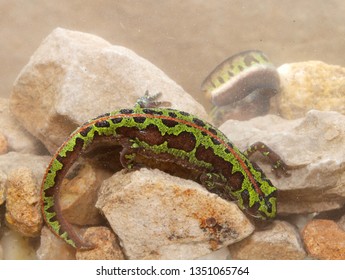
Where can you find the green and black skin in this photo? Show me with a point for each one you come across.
(158, 137)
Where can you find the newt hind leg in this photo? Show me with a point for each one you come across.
(277, 164)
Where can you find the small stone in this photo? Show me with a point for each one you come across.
(75, 76)
(158, 216)
(53, 248)
(3, 144)
(16, 247)
(310, 85)
(312, 146)
(78, 196)
(3, 179)
(324, 240)
(280, 241)
(107, 247)
(23, 213)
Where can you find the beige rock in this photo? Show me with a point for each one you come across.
(18, 139)
(107, 247)
(3, 144)
(310, 85)
(53, 248)
(313, 145)
(12, 160)
(324, 239)
(74, 76)
(280, 241)
(158, 216)
(79, 196)
(23, 213)
(16, 246)
(3, 178)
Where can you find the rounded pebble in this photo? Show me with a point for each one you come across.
(325, 240)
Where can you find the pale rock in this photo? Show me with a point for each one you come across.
(107, 247)
(313, 145)
(23, 213)
(158, 216)
(310, 85)
(3, 179)
(324, 239)
(78, 196)
(12, 160)
(18, 139)
(280, 241)
(73, 77)
(54, 248)
(16, 247)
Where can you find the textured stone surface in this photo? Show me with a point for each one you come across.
(310, 85)
(23, 212)
(74, 76)
(157, 216)
(280, 241)
(325, 240)
(107, 247)
(53, 248)
(17, 138)
(314, 145)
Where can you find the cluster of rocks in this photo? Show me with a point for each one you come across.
(148, 214)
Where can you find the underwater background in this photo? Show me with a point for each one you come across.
(186, 39)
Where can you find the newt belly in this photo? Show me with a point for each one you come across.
(153, 136)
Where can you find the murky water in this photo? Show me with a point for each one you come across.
(288, 94)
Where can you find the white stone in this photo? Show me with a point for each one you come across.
(158, 216)
(73, 77)
(314, 145)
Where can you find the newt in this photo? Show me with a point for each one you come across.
(151, 135)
